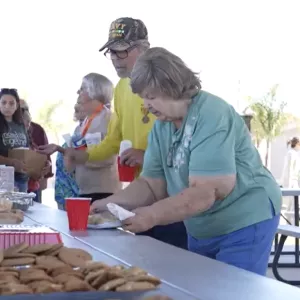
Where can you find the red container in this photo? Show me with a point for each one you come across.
(126, 173)
(11, 235)
(78, 210)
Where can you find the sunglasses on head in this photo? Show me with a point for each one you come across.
(6, 90)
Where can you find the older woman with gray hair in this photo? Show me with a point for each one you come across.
(201, 167)
(96, 180)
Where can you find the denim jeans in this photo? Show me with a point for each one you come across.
(248, 248)
(21, 185)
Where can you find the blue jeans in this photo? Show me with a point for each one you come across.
(248, 248)
(21, 185)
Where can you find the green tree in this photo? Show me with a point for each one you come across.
(269, 118)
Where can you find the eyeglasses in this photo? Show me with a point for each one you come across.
(110, 54)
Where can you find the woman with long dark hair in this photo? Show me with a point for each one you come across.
(12, 135)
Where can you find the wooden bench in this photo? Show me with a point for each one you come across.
(285, 231)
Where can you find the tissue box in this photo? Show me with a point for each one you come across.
(34, 161)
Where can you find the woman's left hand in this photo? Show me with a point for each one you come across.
(143, 220)
(132, 157)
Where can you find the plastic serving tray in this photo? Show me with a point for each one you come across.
(15, 234)
(85, 296)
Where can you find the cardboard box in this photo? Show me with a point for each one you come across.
(34, 161)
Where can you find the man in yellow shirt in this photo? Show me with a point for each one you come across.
(128, 38)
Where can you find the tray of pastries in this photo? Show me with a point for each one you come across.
(54, 268)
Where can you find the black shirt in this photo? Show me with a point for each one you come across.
(15, 136)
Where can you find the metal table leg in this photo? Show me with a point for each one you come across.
(296, 209)
(295, 253)
(275, 264)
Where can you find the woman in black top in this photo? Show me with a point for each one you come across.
(12, 135)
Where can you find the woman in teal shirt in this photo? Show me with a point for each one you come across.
(201, 167)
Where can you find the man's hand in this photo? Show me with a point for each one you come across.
(132, 157)
(47, 149)
(143, 220)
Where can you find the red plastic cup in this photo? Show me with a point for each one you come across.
(78, 210)
(126, 173)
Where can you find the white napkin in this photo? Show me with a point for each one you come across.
(119, 212)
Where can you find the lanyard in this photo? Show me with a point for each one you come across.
(91, 118)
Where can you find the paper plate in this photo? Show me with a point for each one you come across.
(107, 225)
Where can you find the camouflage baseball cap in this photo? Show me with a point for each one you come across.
(124, 32)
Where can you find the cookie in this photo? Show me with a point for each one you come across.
(74, 273)
(15, 289)
(74, 285)
(16, 248)
(63, 278)
(60, 270)
(100, 280)
(146, 278)
(54, 250)
(94, 275)
(34, 275)
(46, 288)
(36, 249)
(112, 284)
(114, 274)
(92, 266)
(133, 271)
(135, 286)
(5, 282)
(118, 268)
(34, 284)
(18, 255)
(9, 278)
(9, 273)
(49, 262)
(38, 267)
(74, 257)
(22, 261)
(8, 269)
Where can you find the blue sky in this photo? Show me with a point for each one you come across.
(48, 46)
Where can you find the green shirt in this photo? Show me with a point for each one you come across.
(212, 141)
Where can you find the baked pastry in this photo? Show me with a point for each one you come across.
(65, 270)
(5, 205)
(11, 217)
(100, 218)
